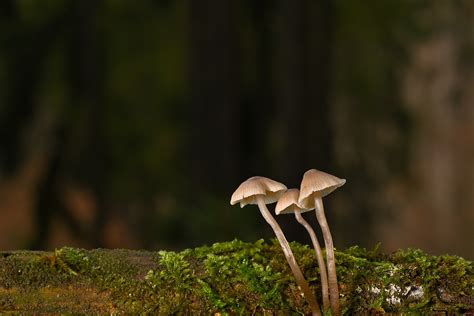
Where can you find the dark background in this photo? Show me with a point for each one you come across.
(130, 123)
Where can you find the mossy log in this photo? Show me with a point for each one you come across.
(232, 277)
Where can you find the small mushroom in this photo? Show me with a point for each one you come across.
(315, 185)
(288, 204)
(262, 191)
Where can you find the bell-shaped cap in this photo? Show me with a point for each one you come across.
(288, 203)
(317, 184)
(248, 191)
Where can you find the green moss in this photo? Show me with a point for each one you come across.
(229, 278)
(240, 275)
(34, 270)
(173, 272)
(407, 281)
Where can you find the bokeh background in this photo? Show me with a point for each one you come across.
(130, 123)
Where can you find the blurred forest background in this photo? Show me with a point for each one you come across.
(130, 123)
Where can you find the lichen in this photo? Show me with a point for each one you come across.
(229, 278)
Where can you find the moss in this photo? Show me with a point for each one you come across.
(173, 272)
(228, 278)
(32, 269)
(236, 269)
(407, 281)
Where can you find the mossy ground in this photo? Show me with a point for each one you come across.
(231, 277)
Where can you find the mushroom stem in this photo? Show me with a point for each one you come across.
(300, 280)
(319, 256)
(331, 262)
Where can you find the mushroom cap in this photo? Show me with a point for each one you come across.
(248, 191)
(288, 203)
(317, 183)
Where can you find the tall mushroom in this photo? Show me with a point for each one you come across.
(315, 185)
(262, 191)
(288, 204)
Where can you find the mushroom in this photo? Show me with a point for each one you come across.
(315, 185)
(288, 204)
(262, 191)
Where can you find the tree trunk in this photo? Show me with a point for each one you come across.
(303, 88)
(87, 68)
(214, 112)
(233, 277)
(24, 68)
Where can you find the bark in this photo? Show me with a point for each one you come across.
(233, 277)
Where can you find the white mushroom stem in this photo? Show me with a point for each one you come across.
(300, 280)
(319, 256)
(331, 261)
